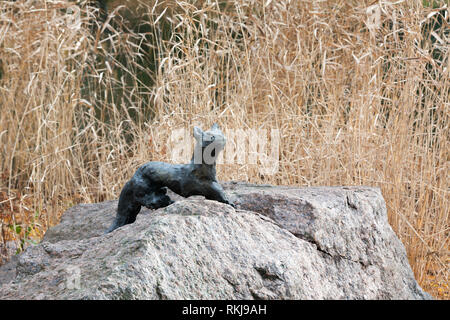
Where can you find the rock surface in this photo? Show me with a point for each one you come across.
(280, 243)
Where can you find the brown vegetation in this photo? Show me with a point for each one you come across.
(359, 99)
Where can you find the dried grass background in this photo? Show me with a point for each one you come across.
(82, 105)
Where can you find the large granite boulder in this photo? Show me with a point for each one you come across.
(279, 243)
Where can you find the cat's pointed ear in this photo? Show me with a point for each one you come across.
(215, 126)
(198, 133)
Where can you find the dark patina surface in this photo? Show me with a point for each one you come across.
(148, 186)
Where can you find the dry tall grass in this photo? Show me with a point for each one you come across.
(356, 104)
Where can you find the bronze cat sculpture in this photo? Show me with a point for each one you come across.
(148, 186)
